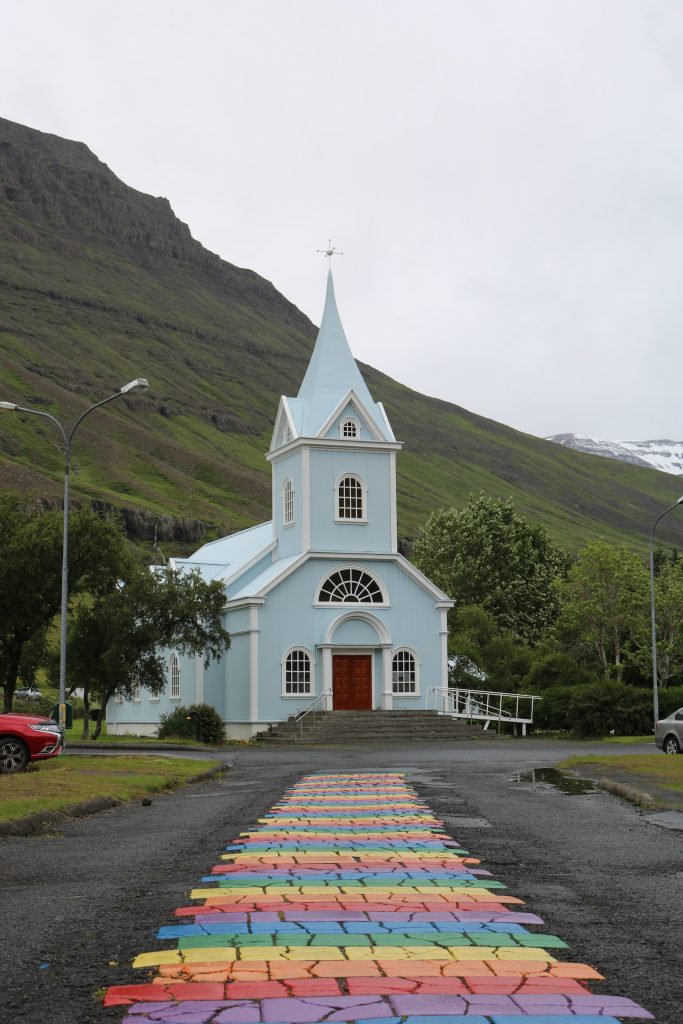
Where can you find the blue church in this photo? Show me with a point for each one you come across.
(318, 601)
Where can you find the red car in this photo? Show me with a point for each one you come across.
(25, 738)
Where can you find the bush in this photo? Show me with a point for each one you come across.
(552, 713)
(40, 706)
(670, 700)
(209, 725)
(610, 707)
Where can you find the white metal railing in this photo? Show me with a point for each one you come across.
(485, 705)
(319, 704)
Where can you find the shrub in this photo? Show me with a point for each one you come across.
(610, 707)
(41, 706)
(670, 700)
(209, 725)
(552, 713)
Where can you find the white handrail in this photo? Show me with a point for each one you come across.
(486, 705)
(321, 699)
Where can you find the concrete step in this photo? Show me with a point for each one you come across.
(373, 727)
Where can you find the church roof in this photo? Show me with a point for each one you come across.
(331, 375)
(222, 559)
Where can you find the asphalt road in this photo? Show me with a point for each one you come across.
(78, 905)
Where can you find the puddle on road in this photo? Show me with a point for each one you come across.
(555, 779)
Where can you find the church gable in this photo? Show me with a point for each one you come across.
(284, 431)
(351, 423)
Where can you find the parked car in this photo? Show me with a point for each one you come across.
(669, 733)
(30, 694)
(26, 738)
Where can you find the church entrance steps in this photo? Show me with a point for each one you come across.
(372, 727)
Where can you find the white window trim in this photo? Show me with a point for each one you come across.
(174, 658)
(283, 673)
(288, 522)
(118, 698)
(362, 521)
(154, 698)
(137, 695)
(395, 693)
(346, 437)
(384, 603)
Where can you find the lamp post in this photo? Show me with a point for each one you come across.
(139, 382)
(653, 620)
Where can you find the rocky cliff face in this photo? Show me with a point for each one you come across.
(53, 190)
(664, 455)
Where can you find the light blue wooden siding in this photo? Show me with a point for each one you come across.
(350, 412)
(236, 620)
(289, 619)
(289, 538)
(235, 673)
(149, 709)
(374, 469)
(215, 684)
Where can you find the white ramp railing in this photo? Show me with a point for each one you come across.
(485, 705)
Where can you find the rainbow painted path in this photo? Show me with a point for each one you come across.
(349, 903)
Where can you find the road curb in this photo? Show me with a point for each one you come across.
(41, 822)
(634, 796)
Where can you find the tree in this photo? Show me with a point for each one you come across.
(486, 555)
(30, 576)
(604, 604)
(669, 618)
(117, 638)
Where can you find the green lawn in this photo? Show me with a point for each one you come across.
(74, 735)
(665, 771)
(64, 781)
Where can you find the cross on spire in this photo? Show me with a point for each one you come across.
(330, 252)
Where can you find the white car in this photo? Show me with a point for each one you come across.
(30, 694)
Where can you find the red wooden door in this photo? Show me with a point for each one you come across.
(351, 682)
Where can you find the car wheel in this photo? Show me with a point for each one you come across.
(671, 745)
(14, 755)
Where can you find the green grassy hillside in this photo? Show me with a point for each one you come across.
(100, 284)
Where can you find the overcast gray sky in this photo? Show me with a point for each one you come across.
(504, 177)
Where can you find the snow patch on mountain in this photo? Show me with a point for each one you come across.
(664, 455)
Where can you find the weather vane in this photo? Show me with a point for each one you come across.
(330, 252)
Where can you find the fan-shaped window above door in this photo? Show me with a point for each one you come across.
(350, 586)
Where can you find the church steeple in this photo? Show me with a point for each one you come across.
(332, 378)
(332, 371)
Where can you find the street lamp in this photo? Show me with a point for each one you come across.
(653, 621)
(139, 382)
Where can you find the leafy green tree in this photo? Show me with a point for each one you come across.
(669, 616)
(30, 576)
(604, 605)
(483, 658)
(117, 638)
(486, 555)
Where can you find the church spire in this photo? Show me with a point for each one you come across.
(332, 370)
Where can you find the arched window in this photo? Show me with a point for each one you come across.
(349, 428)
(174, 677)
(287, 503)
(351, 498)
(350, 586)
(404, 672)
(296, 674)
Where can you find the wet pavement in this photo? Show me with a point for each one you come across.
(83, 902)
